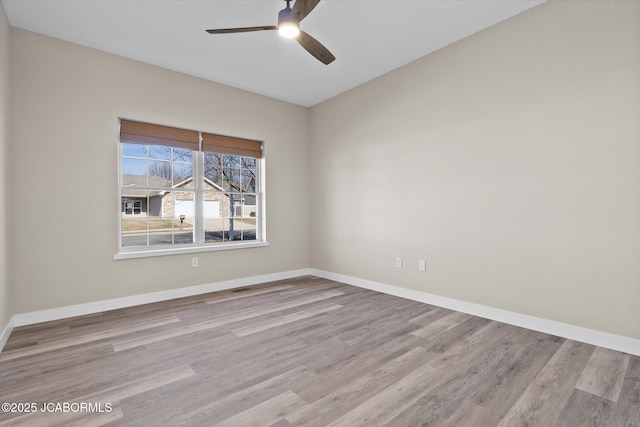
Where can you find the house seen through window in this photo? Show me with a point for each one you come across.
(182, 189)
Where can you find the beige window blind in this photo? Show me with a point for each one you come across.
(230, 145)
(146, 133)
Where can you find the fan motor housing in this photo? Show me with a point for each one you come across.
(286, 16)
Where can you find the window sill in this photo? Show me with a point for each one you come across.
(187, 250)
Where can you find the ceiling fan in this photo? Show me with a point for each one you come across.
(289, 26)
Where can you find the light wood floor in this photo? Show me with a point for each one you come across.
(310, 351)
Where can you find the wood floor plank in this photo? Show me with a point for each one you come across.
(335, 404)
(267, 413)
(224, 320)
(604, 374)
(442, 325)
(446, 340)
(349, 367)
(300, 290)
(20, 374)
(433, 314)
(94, 420)
(221, 378)
(546, 396)
(463, 353)
(628, 408)
(251, 356)
(33, 338)
(62, 420)
(501, 389)
(280, 423)
(385, 405)
(141, 385)
(586, 410)
(83, 339)
(238, 294)
(391, 317)
(111, 395)
(458, 386)
(235, 403)
(349, 325)
(465, 415)
(78, 375)
(166, 335)
(283, 320)
(342, 355)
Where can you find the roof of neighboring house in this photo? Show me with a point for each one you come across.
(134, 185)
(207, 180)
(130, 180)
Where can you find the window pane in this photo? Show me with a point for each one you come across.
(185, 235)
(249, 207)
(213, 168)
(182, 155)
(215, 205)
(171, 218)
(232, 179)
(133, 217)
(134, 172)
(135, 150)
(239, 229)
(232, 161)
(182, 172)
(233, 228)
(248, 228)
(157, 218)
(249, 163)
(160, 231)
(159, 174)
(134, 231)
(156, 207)
(160, 152)
(177, 204)
(229, 217)
(248, 181)
(214, 230)
(235, 200)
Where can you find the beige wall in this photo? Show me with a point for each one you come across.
(5, 310)
(519, 145)
(63, 186)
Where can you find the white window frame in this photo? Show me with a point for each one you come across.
(129, 252)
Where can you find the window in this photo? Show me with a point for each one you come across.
(187, 191)
(131, 207)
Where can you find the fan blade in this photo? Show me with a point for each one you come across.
(315, 48)
(242, 30)
(303, 7)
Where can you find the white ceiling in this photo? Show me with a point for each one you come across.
(368, 38)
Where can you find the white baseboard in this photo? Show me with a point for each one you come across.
(112, 304)
(4, 336)
(564, 330)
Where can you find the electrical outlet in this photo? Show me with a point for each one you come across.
(399, 262)
(194, 261)
(422, 265)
